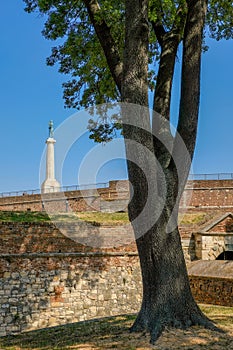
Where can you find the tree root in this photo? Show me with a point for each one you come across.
(157, 327)
(156, 332)
(202, 320)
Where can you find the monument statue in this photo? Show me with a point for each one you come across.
(50, 184)
(51, 129)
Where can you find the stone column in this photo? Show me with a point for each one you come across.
(50, 172)
(50, 184)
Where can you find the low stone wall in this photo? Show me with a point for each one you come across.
(212, 290)
(49, 289)
(43, 291)
(212, 281)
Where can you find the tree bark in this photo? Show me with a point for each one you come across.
(167, 298)
(135, 115)
(190, 79)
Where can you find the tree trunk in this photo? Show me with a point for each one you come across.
(167, 298)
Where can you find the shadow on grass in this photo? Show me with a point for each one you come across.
(113, 333)
(70, 336)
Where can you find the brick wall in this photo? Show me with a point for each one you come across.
(201, 194)
(210, 193)
(65, 237)
(224, 226)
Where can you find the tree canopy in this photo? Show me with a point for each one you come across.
(81, 55)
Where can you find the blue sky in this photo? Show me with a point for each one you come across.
(31, 95)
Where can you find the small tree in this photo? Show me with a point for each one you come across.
(110, 49)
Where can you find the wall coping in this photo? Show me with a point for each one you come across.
(207, 278)
(214, 233)
(221, 269)
(65, 255)
(208, 188)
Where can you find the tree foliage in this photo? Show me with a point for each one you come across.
(81, 55)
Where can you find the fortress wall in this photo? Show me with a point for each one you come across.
(199, 194)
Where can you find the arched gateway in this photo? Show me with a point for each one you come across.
(226, 255)
(215, 241)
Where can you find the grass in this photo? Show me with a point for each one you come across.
(23, 216)
(196, 218)
(113, 333)
(93, 217)
(104, 218)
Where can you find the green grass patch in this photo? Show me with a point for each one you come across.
(194, 218)
(221, 314)
(69, 336)
(96, 218)
(23, 216)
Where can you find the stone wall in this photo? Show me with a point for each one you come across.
(210, 290)
(212, 282)
(210, 246)
(199, 194)
(66, 237)
(63, 237)
(43, 291)
(49, 277)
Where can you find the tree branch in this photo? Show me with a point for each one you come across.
(159, 31)
(135, 114)
(191, 68)
(162, 99)
(106, 40)
(190, 87)
(169, 42)
(180, 20)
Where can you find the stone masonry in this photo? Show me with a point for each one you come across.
(37, 292)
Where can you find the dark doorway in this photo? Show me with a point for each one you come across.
(228, 255)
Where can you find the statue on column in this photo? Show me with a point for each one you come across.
(51, 129)
(50, 183)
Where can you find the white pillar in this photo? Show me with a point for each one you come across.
(50, 184)
(50, 159)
